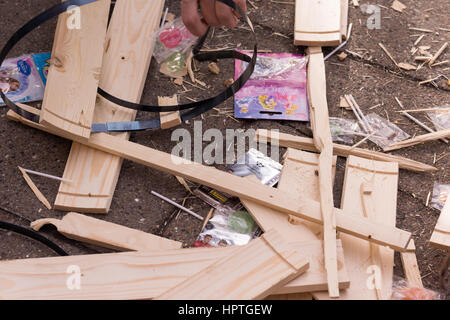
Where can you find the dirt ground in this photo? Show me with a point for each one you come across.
(372, 80)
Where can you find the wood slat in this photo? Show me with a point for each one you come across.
(169, 119)
(252, 272)
(106, 234)
(74, 72)
(307, 209)
(380, 205)
(441, 234)
(320, 124)
(126, 275)
(127, 55)
(291, 141)
(317, 23)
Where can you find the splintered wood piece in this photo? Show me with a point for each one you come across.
(298, 177)
(380, 201)
(419, 139)
(287, 140)
(106, 234)
(441, 234)
(74, 73)
(226, 182)
(438, 53)
(253, 272)
(35, 189)
(318, 23)
(126, 60)
(126, 275)
(411, 267)
(169, 119)
(320, 124)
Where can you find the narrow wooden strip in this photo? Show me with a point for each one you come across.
(310, 210)
(252, 272)
(320, 125)
(411, 268)
(126, 275)
(127, 55)
(35, 189)
(106, 234)
(74, 73)
(344, 18)
(441, 234)
(365, 264)
(419, 139)
(287, 140)
(438, 53)
(169, 119)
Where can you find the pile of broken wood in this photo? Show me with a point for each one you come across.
(299, 253)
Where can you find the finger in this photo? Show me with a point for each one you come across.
(191, 18)
(225, 15)
(208, 8)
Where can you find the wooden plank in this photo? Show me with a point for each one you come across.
(380, 204)
(344, 18)
(320, 124)
(106, 234)
(300, 175)
(411, 267)
(291, 141)
(441, 234)
(126, 60)
(317, 23)
(35, 189)
(74, 73)
(419, 139)
(126, 275)
(169, 119)
(307, 209)
(252, 272)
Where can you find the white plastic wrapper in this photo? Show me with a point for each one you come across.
(441, 118)
(254, 162)
(274, 68)
(386, 129)
(440, 195)
(344, 130)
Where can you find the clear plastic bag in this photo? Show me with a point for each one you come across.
(228, 227)
(402, 290)
(440, 195)
(172, 42)
(441, 118)
(344, 130)
(386, 129)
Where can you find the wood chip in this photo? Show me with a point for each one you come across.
(355, 3)
(213, 68)
(406, 66)
(344, 104)
(341, 56)
(398, 6)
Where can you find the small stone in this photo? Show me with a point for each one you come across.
(228, 82)
(213, 68)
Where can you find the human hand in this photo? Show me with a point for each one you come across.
(214, 13)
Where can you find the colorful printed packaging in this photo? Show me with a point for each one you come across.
(20, 80)
(276, 90)
(42, 63)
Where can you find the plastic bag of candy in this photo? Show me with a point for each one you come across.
(440, 195)
(172, 42)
